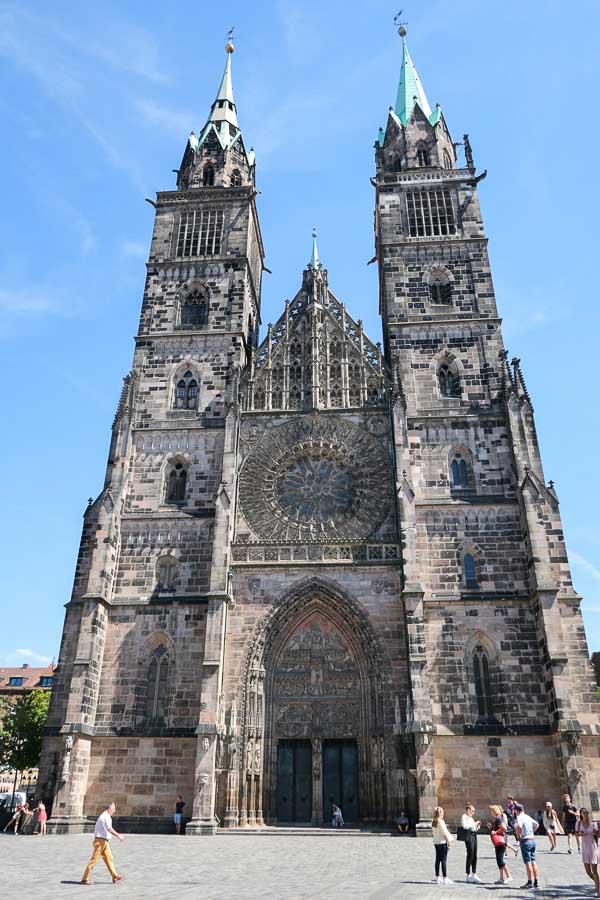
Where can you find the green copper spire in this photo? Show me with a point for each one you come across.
(410, 89)
(314, 260)
(223, 114)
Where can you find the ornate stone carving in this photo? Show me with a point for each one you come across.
(316, 478)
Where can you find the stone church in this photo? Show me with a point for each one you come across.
(321, 569)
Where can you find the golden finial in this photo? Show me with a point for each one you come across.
(398, 21)
(229, 48)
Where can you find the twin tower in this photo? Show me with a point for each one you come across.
(321, 569)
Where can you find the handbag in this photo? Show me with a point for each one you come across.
(461, 834)
(498, 840)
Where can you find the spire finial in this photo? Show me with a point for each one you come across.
(401, 25)
(314, 260)
(229, 46)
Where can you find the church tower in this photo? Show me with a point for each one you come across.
(497, 656)
(140, 661)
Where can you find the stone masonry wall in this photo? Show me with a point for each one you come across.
(142, 776)
(485, 770)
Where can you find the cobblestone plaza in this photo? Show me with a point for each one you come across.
(271, 867)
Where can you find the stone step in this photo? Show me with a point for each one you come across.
(313, 830)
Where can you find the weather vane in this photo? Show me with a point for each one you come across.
(229, 44)
(400, 24)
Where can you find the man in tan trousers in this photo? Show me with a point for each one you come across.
(102, 832)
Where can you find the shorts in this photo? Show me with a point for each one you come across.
(570, 827)
(528, 851)
(177, 818)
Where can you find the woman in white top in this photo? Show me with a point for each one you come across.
(441, 841)
(551, 823)
(471, 828)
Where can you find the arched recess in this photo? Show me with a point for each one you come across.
(315, 672)
(154, 680)
(484, 681)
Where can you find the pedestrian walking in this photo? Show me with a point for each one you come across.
(470, 828)
(103, 830)
(570, 814)
(42, 817)
(441, 842)
(179, 804)
(525, 829)
(587, 831)
(552, 825)
(499, 836)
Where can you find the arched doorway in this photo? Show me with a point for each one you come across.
(316, 718)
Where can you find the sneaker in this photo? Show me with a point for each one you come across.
(535, 883)
(439, 880)
(475, 879)
(569, 850)
(510, 878)
(529, 884)
(500, 881)
(448, 881)
(469, 879)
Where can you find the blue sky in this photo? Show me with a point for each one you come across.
(96, 106)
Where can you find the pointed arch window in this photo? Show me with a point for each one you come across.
(176, 484)
(440, 289)
(236, 178)
(167, 570)
(194, 310)
(448, 381)
(460, 473)
(157, 683)
(186, 392)
(423, 157)
(277, 387)
(483, 685)
(470, 571)
(447, 160)
(208, 175)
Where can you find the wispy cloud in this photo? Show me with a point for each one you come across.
(59, 60)
(155, 115)
(134, 248)
(36, 657)
(26, 300)
(582, 563)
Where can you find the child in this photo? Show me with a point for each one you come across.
(338, 819)
(441, 841)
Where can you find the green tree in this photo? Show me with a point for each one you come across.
(22, 729)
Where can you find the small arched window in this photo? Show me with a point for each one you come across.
(447, 160)
(423, 158)
(236, 178)
(176, 484)
(166, 573)
(440, 289)
(448, 381)
(483, 686)
(470, 571)
(194, 310)
(460, 473)
(156, 696)
(186, 392)
(208, 175)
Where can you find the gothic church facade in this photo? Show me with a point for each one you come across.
(321, 570)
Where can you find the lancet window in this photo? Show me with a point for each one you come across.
(448, 381)
(186, 392)
(176, 483)
(483, 686)
(157, 683)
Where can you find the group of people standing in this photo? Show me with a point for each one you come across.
(513, 820)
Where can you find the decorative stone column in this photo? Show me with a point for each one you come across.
(425, 782)
(317, 785)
